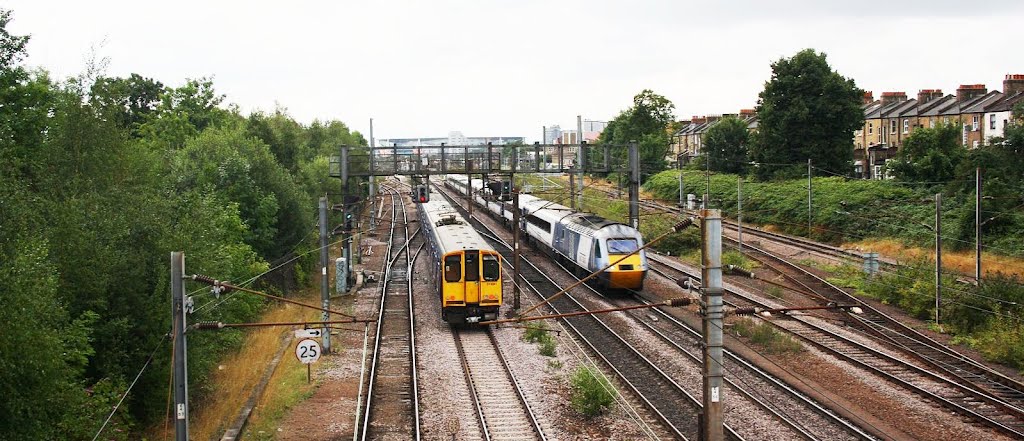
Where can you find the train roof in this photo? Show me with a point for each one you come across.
(590, 220)
(458, 235)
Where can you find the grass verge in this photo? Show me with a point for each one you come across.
(239, 373)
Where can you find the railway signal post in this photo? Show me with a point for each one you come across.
(711, 300)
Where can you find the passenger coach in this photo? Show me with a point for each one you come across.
(465, 271)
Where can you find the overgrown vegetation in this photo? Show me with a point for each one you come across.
(766, 336)
(100, 179)
(591, 391)
(536, 333)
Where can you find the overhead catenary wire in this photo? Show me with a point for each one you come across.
(130, 386)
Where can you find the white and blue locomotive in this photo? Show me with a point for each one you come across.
(585, 241)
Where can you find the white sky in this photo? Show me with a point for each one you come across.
(506, 68)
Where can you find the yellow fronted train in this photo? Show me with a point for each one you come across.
(465, 271)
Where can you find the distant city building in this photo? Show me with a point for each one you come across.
(454, 138)
(591, 131)
(552, 133)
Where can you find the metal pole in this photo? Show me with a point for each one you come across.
(682, 195)
(739, 210)
(325, 293)
(469, 187)
(180, 346)
(707, 176)
(977, 224)
(515, 238)
(347, 248)
(373, 183)
(634, 184)
(580, 160)
(808, 197)
(711, 289)
(544, 134)
(938, 256)
(572, 189)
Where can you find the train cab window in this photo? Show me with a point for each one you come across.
(622, 246)
(492, 268)
(452, 268)
(597, 250)
(472, 265)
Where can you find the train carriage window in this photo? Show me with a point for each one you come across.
(492, 269)
(622, 246)
(452, 268)
(472, 265)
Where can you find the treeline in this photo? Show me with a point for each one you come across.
(100, 179)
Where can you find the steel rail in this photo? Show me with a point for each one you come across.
(391, 257)
(472, 381)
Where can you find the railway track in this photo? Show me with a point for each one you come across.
(806, 418)
(677, 409)
(836, 254)
(953, 392)
(392, 400)
(501, 407)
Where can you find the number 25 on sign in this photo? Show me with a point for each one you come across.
(307, 351)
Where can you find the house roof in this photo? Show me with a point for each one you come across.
(978, 105)
(939, 106)
(909, 108)
(1006, 102)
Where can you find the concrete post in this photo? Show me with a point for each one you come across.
(711, 289)
(634, 185)
(178, 305)
(977, 224)
(325, 293)
(938, 256)
(739, 211)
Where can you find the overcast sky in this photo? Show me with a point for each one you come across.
(506, 68)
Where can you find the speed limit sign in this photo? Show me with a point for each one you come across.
(307, 351)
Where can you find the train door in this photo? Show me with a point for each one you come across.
(452, 290)
(472, 276)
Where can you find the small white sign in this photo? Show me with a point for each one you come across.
(714, 395)
(181, 411)
(307, 351)
(308, 333)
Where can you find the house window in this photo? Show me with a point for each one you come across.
(931, 124)
(975, 123)
(992, 121)
(892, 126)
(871, 128)
(906, 125)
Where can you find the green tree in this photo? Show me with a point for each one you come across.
(806, 111)
(646, 122)
(726, 142)
(930, 155)
(128, 100)
(183, 113)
